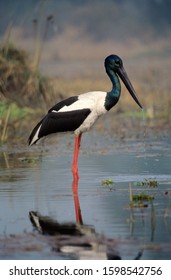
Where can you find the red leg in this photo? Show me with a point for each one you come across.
(79, 219)
(76, 153)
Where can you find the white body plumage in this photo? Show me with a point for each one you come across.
(84, 110)
(94, 101)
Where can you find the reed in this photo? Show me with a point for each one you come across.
(4, 130)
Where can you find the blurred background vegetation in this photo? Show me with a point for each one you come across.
(53, 49)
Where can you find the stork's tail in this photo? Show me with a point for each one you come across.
(34, 136)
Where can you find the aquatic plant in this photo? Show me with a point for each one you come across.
(140, 200)
(148, 182)
(138, 205)
(107, 182)
(142, 197)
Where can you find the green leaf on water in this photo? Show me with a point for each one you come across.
(107, 182)
(148, 182)
(142, 197)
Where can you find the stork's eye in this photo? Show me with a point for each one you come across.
(117, 63)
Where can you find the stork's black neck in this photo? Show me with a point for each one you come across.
(113, 95)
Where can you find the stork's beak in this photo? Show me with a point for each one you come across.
(124, 77)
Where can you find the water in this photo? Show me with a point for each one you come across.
(39, 179)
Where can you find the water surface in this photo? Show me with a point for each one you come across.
(39, 179)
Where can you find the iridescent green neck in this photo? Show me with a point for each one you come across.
(113, 95)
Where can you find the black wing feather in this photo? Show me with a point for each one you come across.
(59, 122)
(65, 102)
(34, 132)
(49, 123)
(62, 121)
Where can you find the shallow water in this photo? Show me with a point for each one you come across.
(39, 179)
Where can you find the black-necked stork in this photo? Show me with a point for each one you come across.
(79, 113)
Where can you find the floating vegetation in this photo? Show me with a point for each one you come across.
(148, 182)
(142, 197)
(138, 205)
(29, 160)
(107, 182)
(139, 200)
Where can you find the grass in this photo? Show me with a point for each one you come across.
(16, 112)
(4, 130)
(18, 81)
(13, 120)
(21, 87)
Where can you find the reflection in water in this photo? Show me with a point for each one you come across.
(167, 213)
(153, 221)
(138, 213)
(47, 225)
(5, 160)
(78, 215)
(76, 239)
(142, 216)
(10, 164)
(5, 163)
